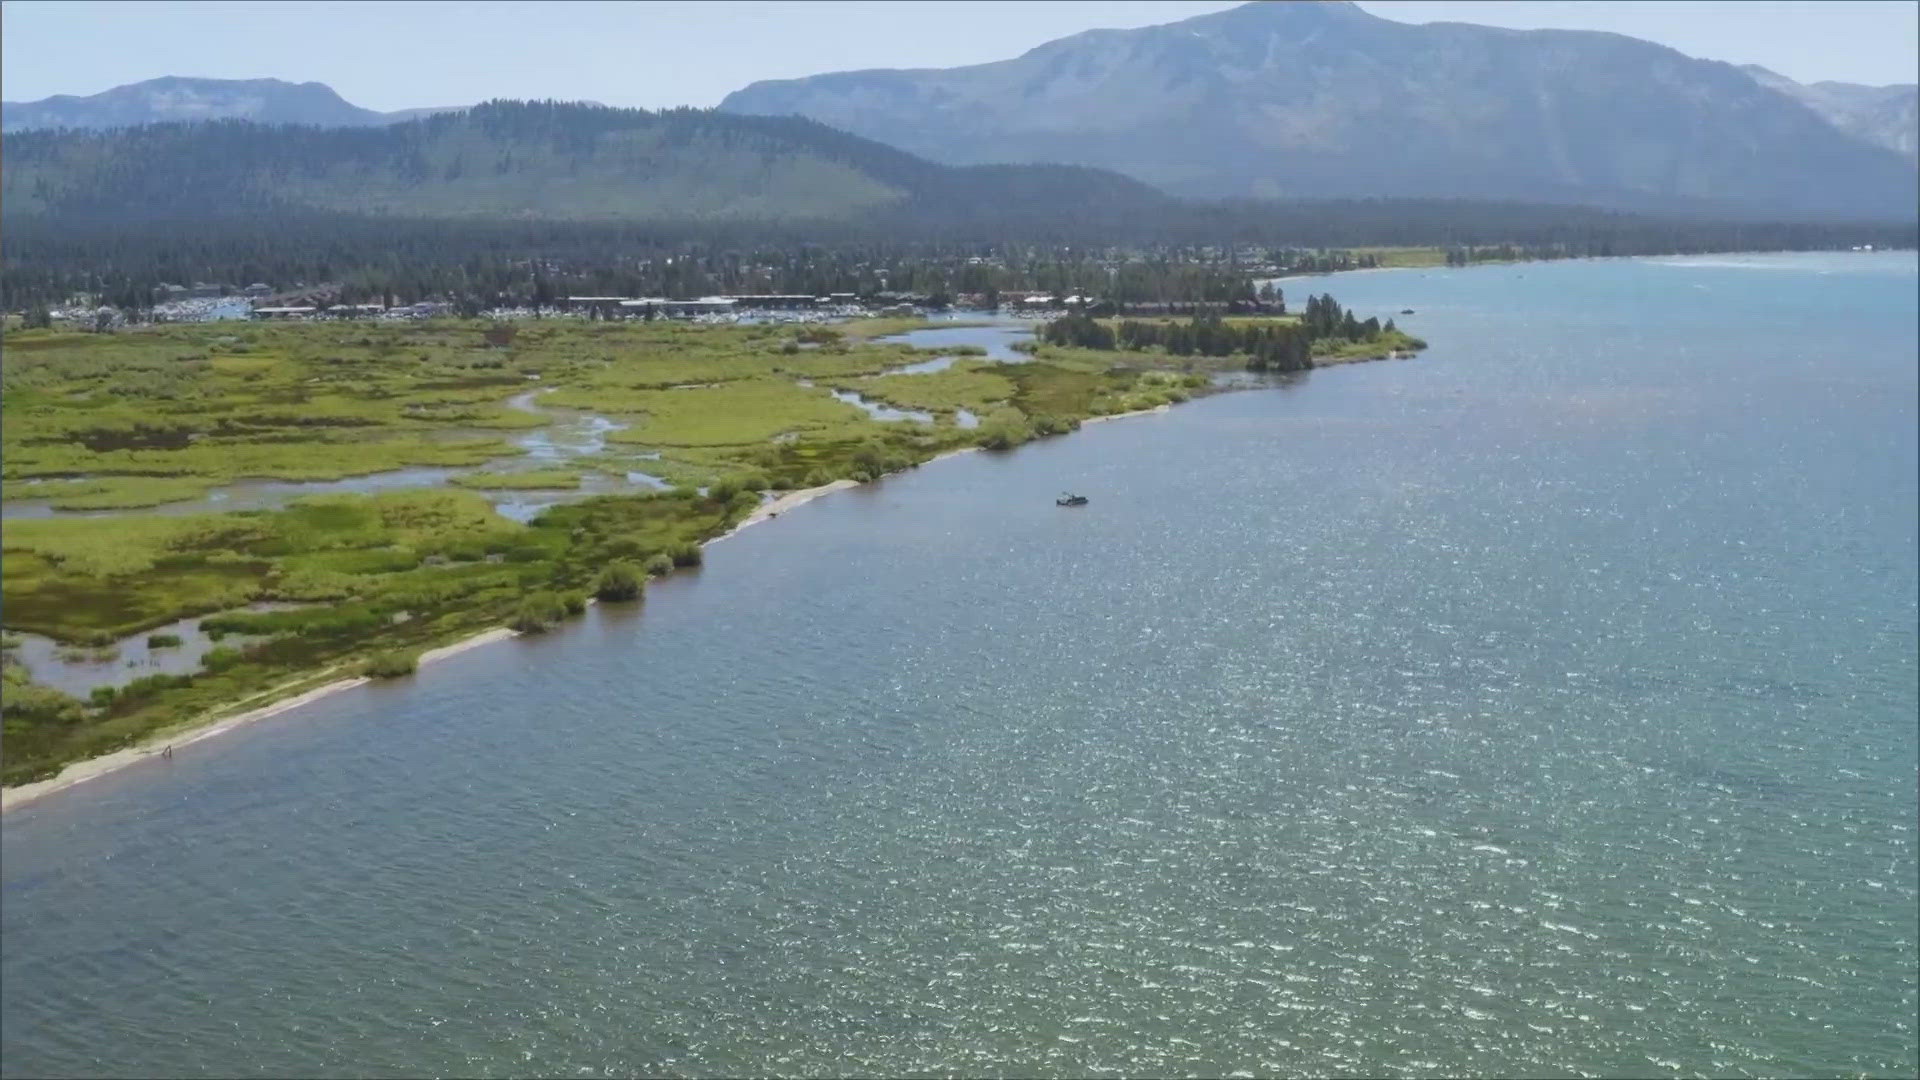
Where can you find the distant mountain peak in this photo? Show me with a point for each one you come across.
(1293, 12)
(1318, 98)
(185, 98)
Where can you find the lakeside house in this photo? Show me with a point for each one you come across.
(773, 301)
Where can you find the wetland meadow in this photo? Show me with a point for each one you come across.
(315, 501)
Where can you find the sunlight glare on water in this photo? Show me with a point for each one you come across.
(1541, 706)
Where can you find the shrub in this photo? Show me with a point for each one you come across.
(537, 613)
(33, 703)
(390, 665)
(148, 685)
(573, 602)
(163, 641)
(620, 581)
(220, 659)
(102, 696)
(660, 565)
(688, 554)
(721, 491)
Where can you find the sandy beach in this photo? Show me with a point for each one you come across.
(1124, 415)
(82, 771)
(784, 503)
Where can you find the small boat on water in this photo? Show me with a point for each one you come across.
(1070, 500)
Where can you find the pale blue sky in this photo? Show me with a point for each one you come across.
(393, 55)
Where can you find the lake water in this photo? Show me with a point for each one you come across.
(997, 334)
(1541, 706)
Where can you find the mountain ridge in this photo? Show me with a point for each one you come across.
(536, 160)
(186, 99)
(1318, 99)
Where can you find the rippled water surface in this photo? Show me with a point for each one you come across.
(1542, 706)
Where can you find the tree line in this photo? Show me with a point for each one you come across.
(506, 263)
(1268, 344)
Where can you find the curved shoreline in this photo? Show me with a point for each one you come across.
(206, 727)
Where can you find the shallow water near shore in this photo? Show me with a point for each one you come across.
(1540, 706)
(997, 334)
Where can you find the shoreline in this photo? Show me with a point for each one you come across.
(207, 727)
(12, 798)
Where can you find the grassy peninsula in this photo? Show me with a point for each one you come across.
(362, 583)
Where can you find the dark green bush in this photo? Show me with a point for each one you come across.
(148, 685)
(620, 581)
(390, 665)
(537, 613)
(659, 565)
(688, 555)
(163, 641)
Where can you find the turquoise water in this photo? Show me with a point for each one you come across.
(1541, 706)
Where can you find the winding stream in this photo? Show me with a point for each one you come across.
(572, 435)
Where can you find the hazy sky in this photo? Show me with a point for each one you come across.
(393, 55)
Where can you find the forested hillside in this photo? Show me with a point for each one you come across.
(494, 202)
(544, 160)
